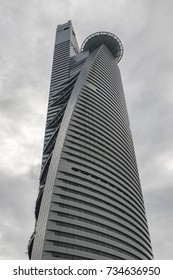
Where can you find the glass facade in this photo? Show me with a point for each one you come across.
(90, 203)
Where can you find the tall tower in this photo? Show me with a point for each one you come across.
(90, 203)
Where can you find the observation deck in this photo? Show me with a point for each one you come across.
(111, 41)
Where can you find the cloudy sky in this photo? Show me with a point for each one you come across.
(27, 32)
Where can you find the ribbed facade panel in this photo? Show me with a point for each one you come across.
(91, 205)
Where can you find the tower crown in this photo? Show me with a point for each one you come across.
(111, 41)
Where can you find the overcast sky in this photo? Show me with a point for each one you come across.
(27, 33)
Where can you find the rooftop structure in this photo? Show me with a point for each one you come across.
(111, 41)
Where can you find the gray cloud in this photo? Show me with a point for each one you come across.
(17, 200)
(27, 38)
(160, 212)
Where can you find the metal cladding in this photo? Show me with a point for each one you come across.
(90, 203)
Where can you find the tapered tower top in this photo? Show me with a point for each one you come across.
(111, 41)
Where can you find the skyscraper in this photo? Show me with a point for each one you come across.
(90, 203)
